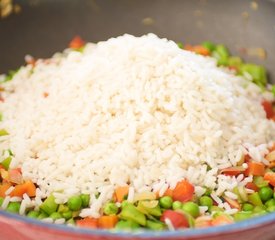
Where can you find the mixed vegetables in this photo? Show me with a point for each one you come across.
(177, 208)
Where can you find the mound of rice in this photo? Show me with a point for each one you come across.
(131, 110)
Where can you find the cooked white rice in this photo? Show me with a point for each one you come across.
(135, 110)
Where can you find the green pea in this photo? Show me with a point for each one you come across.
(1, 201)
(247, 207)
(270, 202)
(192, 208)
(42, 215)
(55, 215)
(85, 200)
(166, 202)
(206, 201)
(176, 205)
(13, 207)
(33, 214)
(265, 193)
(110, 208)
(74, 203)
(67, 215)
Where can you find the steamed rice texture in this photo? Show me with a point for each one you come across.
(131, 110)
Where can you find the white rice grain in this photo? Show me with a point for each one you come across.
(9, 190)
(5, 202)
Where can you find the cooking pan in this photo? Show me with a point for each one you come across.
(42, 27)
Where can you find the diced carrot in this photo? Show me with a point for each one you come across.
(121, 192)
(234, 68)
(268, 109)
(183, 191)
(232, 171)
(252, 186)
(107, 222)
(87, 222)
(270, 177)
(30, 188)
(189, 47)
(197, 49)
(201, 50)
(27, 187)
(3, 188)
(168, 192)
(247, 158)
(221, 220)
(203, 221)
(76, 43)
(255, 169)
(273, 147)
(18, 190)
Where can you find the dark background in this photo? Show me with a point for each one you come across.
(46, 26)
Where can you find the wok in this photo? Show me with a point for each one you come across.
(43, 27)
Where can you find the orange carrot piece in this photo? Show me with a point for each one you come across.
(255, 169)
(87, 222)
(221, 220)
(201, 50)
(189, 47)
(252, 186)
(168, 192)
(27, 187)
(121, 192)
(18, 190)
(183, 191)
(3, 188)
(76, 43)
(270, 177)
(107, 222)
(30, 188)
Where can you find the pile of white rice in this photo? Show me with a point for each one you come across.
(131, 110)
